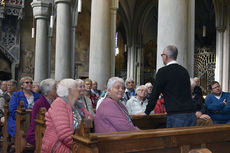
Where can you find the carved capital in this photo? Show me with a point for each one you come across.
(115, 4)
(41, 8)
(63, 1)
(221, 28)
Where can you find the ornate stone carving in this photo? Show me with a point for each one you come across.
(205, 60)
(28, 66)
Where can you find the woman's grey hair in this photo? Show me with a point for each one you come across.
(112, 81)
(79, 81)
(47, 85)
(139, 87)
(36, 83)
(23, 79)
(128, 80)
(64, 86)
(171, 51)
(148, 84)
(14, 82)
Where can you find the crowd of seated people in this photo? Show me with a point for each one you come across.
(69, 101)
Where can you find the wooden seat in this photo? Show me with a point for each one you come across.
(23, 118)
(168, 140)
(5, 128)
(40, 129)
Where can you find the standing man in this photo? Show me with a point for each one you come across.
(173, 82)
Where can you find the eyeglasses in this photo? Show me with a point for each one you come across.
(28, 82)
(163, 54)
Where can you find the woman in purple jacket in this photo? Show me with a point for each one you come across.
(112, 115)
(48, 89)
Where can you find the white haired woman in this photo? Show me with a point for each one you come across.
(59, 119)
(25, 94)
(136, 105)
(112, 115)
(48, 90)
(149, 86)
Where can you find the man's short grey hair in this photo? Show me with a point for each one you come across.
(79, 81)
(47, 85)
(23, 79)
(171, 51)
(128, 80)
(64, 86)
(112, 81)
(148, 84)
(142, 86)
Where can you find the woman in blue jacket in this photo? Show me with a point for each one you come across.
(26, 95)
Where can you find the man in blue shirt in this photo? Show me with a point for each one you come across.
(218, 104)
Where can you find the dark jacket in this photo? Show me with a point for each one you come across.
(173, 82)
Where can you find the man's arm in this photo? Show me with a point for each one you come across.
(157, 90)
(213, 105)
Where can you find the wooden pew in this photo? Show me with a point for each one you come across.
(23, 118)
(152, 121)
(40, 129)
(5, 128)
(168, 140)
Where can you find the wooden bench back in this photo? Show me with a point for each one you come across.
(172, 140)
(40, 129)
(5, 127)
(152, 121)
(23, 119)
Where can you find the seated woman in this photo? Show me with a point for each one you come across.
(136, 105)
(48, 90)
(203, 119)
(112, 115)
(83, 99)
(59, 119)
(25, 94)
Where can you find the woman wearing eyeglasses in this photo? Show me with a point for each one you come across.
(25, 94)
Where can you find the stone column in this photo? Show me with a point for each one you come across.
(176, 27)
(100, 42)
(115, 5)
(219, 54)
(63, 49)
(226, 67)
(41, 13)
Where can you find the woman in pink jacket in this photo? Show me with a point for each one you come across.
(59, 119)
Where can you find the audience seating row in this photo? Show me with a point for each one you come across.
(215, 138)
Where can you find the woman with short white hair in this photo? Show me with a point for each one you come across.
(136, 105)
(59, 118)
(112, 115)
(48, 90)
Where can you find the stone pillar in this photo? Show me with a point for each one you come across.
(41, 13)
(115, 5)
(176, 27)
(63, 49)
(219, 54)
(100, 42)
(226, 67)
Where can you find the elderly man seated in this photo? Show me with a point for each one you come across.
(218, 104)
(136, 105)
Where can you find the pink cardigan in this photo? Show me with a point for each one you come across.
(59, 128)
